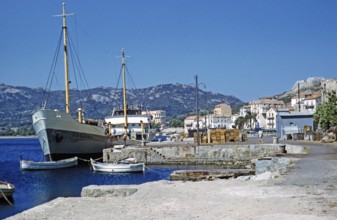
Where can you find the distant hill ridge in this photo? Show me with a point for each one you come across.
(18, 103)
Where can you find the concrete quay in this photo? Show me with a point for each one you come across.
(229, 160)
(233, 156)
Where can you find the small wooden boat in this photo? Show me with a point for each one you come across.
(6, 190)
(117, 167)
(47, 165)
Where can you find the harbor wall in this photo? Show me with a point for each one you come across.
(229, 156)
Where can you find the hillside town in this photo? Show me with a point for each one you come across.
(273, 116)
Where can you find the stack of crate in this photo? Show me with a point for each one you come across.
(235, 133)
(219, 136)
(213, 137)
(225, 135)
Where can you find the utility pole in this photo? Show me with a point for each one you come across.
(206, 116)
(197, 106)
(298, 96)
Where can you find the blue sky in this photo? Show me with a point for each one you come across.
(245, 48)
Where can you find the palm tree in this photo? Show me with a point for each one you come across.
(240, 122)
(250, 118)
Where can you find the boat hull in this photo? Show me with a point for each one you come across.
(48, 165)
(118, 168)
(61, 136)
(7, 190)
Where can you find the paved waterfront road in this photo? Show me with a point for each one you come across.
(317, 168)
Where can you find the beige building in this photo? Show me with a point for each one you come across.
(158, 116)
(221, 117)
(223, 110)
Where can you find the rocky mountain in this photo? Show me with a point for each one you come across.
(17, 104)
(311, 82)
(308, 86)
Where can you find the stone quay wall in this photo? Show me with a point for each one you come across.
(229, 156)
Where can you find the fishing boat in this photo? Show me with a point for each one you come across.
(48, 165)
(60, 135)
(130, 123)
(6, 190)
(117, 167)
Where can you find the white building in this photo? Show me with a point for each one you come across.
(222, 118)
(233, 119)
(271, 118)
(220, 121)
(297, 102)
(261, 107)
(311, 102)
(306, 102)
(190, 123)
(244, 110)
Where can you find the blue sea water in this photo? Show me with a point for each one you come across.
(33, 188)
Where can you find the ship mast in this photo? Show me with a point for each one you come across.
(65, 52)
(124, 98)
(66, 70)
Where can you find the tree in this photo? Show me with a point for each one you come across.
(240, 122)
(326, 114)
(156, 126)
(176, 123)
(249, 118)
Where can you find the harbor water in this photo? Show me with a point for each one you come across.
(33, 188)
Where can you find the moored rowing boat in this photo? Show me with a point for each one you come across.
(117, 167)
(6, 190)
(47, 165)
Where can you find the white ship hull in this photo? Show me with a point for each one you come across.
(61, 136)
